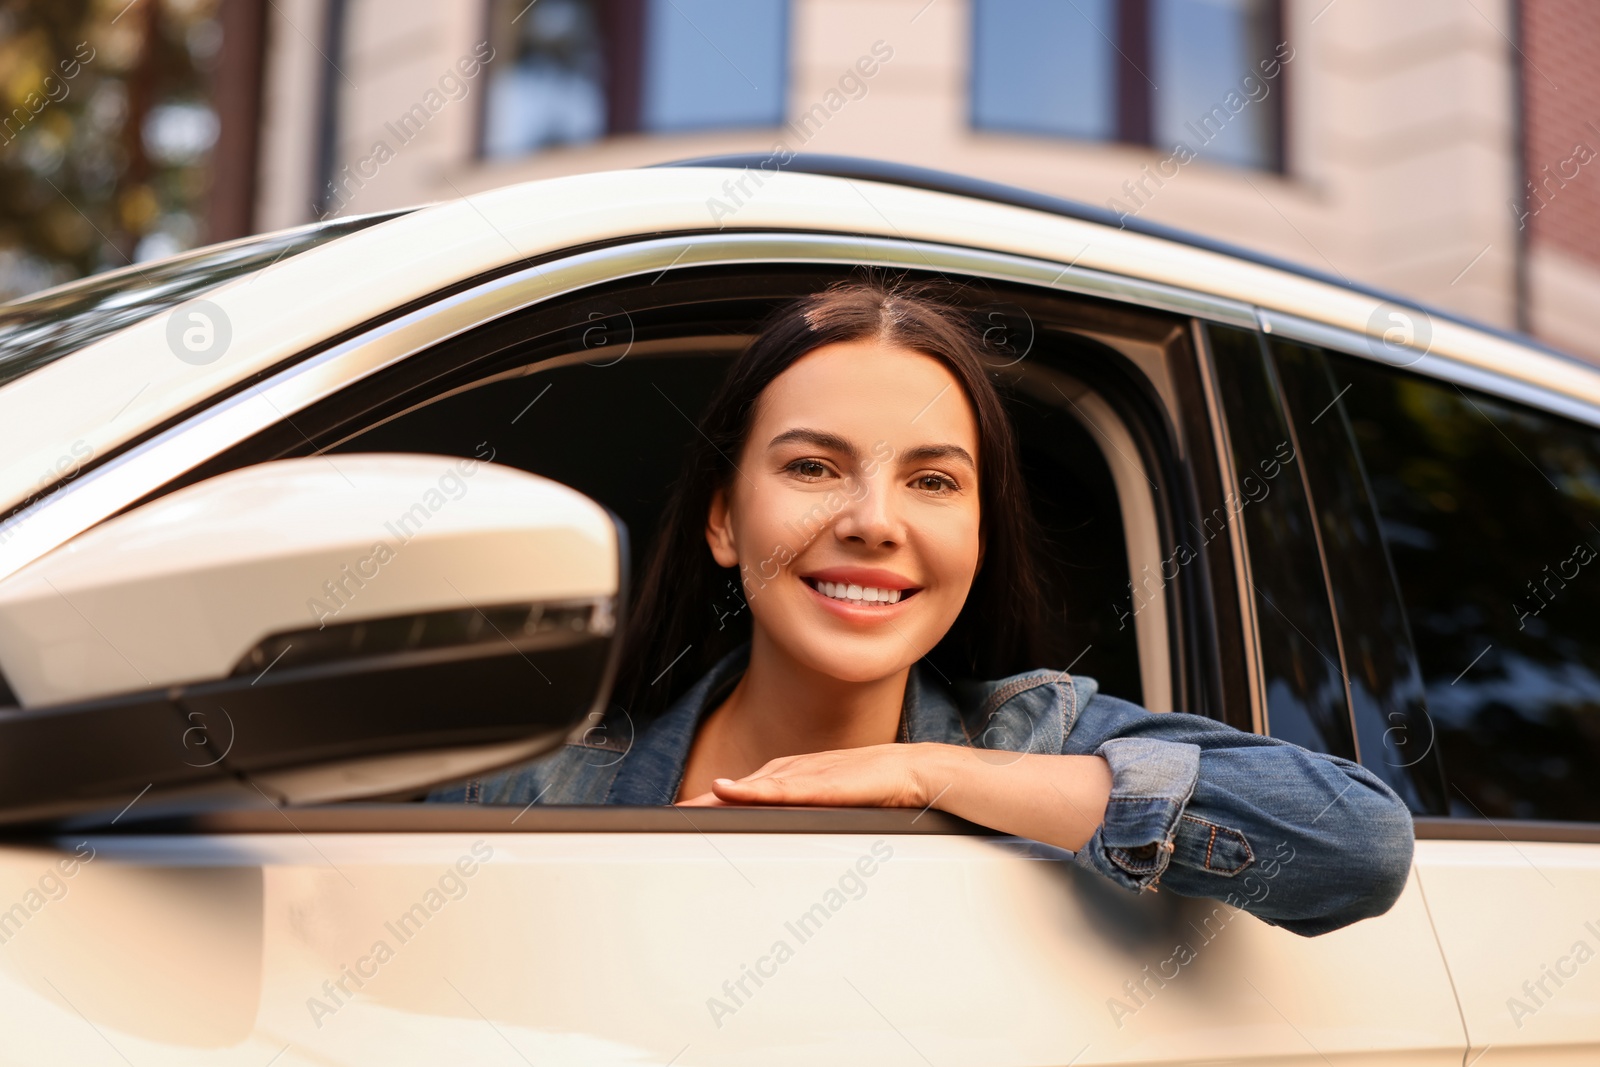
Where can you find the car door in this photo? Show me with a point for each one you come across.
(404, 932)
(1479, 489)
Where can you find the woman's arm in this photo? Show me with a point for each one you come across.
(1060, 800)
(1303, 840)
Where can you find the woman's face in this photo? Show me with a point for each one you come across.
(853, 515)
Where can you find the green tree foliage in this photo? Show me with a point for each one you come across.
(105, 132)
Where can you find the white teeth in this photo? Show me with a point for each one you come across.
(860, 594)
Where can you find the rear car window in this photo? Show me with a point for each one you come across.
(1490, 511)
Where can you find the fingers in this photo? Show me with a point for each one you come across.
(754, 790)
(704, 800)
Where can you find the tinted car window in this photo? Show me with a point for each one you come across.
(1394, 738)
(1491, 515)
(38, 329)
(1300, 655)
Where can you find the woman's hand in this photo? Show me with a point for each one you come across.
(872, 776)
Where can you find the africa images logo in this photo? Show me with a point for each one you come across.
(198, 332)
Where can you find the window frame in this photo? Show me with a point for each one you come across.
(160, 463)
(1433, 365)
(1135, 388)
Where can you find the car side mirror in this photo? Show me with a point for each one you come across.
(320, 629)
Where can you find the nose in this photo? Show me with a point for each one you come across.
(872, 515)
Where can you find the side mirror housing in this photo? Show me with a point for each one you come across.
(326, 628)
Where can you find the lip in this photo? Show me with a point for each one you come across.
(856, 613)
(862, 576)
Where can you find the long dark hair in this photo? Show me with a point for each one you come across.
(690, 608)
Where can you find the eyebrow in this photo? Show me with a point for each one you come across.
(834, 443)
(923, 453)
(819, 438)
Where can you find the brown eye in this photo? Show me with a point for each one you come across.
(808, 468)
(936, 483)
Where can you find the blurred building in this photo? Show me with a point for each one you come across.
(1444, 149)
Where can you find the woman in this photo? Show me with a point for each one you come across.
(851, 534)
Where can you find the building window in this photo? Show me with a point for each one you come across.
(547, 84)
(573, 71)
(1043, 66)
(1197, 78)
(711, 63)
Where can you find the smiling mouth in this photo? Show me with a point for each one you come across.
(867, 596)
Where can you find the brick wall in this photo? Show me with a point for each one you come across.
(1561, 86)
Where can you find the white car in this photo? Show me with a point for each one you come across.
(294, 528)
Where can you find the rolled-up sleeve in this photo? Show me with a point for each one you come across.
(1302, 840)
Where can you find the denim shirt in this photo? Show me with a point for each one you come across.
(1302, 840)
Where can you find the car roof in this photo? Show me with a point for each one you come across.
(942, 181)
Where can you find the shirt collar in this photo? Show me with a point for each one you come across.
(653, 771)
